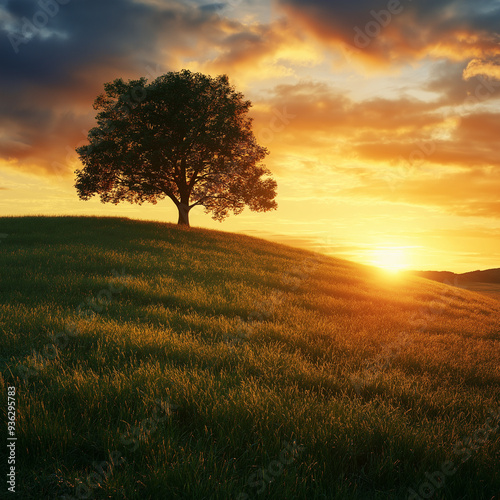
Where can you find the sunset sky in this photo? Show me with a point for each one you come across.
(382, 117)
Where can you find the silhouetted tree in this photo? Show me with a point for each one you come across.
(184, 135)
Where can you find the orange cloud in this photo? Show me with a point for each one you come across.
(398, 31)
(401, 150)
(490, 68)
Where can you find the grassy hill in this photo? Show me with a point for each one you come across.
(155, 362)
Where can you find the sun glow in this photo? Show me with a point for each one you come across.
(392, 259)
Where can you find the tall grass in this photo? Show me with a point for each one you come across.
(153, 361)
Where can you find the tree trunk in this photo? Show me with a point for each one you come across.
(183, 214)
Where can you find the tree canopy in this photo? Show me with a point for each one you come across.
(186, 136)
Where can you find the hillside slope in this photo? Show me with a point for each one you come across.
(152, 361)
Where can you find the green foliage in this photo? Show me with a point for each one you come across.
(173, 332)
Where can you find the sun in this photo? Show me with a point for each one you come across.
(392, 259)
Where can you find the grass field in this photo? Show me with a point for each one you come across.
(156, 362)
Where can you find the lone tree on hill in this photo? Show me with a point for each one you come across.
(184, 135)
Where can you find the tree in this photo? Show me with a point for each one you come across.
(185, 136)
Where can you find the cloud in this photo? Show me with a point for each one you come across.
(314, 130)
(329, 124)
(470, 193)
(52, 80)
(53, 74)
(396, 31)
(402, 150)
(489, 68)
(253, 52)
(320, 108)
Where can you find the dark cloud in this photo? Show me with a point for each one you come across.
(54, 63)
(213, 7)
(464, 84)
(446, 80)
(49, 82)
(248, 49)
(391, 31)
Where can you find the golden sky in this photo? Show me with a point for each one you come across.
(382, 118)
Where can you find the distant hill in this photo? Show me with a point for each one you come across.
(487, 276)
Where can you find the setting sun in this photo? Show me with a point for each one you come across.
(391, 259)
